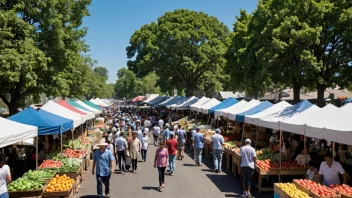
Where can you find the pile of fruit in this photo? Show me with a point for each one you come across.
(322, 190)
(75, 144)
(71, 165)
(267, 154)
(343, 189)
(25, 184)
(70, 153)
(37, 175)
(60, 184)
(51, 164)
(292, 191)
(270, 165)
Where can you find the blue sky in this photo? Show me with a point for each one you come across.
(112, 22)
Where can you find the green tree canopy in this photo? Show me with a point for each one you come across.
(102, 71)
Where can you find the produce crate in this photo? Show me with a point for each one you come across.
(26, 193)
(314, 195)
(57, 194)
(276, 195)
(302, 188)
(345, 196)
(280, 192)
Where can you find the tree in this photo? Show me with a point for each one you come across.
(149, 84)
(102, 71)
(125, 84)
(181, 47)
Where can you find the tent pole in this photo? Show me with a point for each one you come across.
(280, 155)
(227, 125)
(36, 153)
(256, 136)
(61, 141)
(242, 134)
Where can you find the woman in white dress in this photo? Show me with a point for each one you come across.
(135, 150)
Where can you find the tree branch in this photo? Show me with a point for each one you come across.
(3, 98)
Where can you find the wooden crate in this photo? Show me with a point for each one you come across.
(26, 193)
(302, 188)
(58, 194)
(345, 196)
(280, 192)
(314, 195)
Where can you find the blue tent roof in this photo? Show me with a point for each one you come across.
(261, 107)
(224, 104)
(156, 103)
(190, 102)
(180, 101)
(157, 99)
(46, 122)
(348, 100)
(173, 100)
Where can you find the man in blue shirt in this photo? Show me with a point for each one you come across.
(181, 141)
(103, 163)
(217, 142)
(198, 145)
(166, 132)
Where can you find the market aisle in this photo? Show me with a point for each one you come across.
(188, 181)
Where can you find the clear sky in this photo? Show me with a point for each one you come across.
(112, 23)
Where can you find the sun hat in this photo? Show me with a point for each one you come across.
(102, 142)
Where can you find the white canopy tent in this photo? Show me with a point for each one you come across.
(94, 102)
(249, 105)
(254, 119)
(96, 111)
(13, 132)
(211, 103)
(102, 102)
(199, 103)
(225, 112)
(106, 101)
(90, 115)
(59, 110)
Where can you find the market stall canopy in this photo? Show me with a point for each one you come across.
(151, 97)
(211, 103)
(223, 105)
(296, 124)
(97, 102)
(259, 108)
(93, 105)
(90, 114)
(66, 105)
(163, 102)
(96, 111)
(101, 102)
(179, 102)
(108, 102)
(185, 104)
(348, 100)
(246, 107)
(138, 99)
(13, 132)
(173, 101)
(225, 112)
(199, 103)
(157, 100)
(254, 119)
(54, 108)
(272, 121)
(47, 124)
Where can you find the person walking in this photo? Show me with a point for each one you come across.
(103, 164)
(5, 177)
(172, 150)
(139, 133)
(121, 147)
(217, 142)
(198, 146)
(156, 133)
(247, 163)
(181, 141)
(160, 162)
(134, 149)
(145, 145)
(161, 123)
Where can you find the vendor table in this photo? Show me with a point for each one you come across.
(228, 155)
(235, 163)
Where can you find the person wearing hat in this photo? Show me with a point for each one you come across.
(198, 146)
(217, 142)
(5, 176)
(145, 145)
(172, 149)
(103, 164)
(247, 163)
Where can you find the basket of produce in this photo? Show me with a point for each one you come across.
(25, 187)
(71, 166)
(288, 190)
(70, 153)
(50, 164)
(59, 186)
(344, 190)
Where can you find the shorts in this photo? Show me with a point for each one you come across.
(247, 175)
(181, 144)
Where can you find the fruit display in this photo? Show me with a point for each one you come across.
(70, 165)
(271, 165)
(267, 154)
(74, 144)
(316, 188)
(25, 184)
(70, 153)
(51, 164)
(292, 191)
(60, 183)
(343, 189)
(39, 175)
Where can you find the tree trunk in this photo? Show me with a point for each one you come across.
(320, 97)
(13, 106)
(296, 91)
(191, 88)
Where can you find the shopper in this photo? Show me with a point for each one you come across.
(103, 162)
(145, 145)
(156, 133)
(121, 147)
(172, 150)
(247, 162)
(181, 141)
(198, 145)
(5, 177)
(139, 133)
(217, 142)
(134, 149)
(161, 123)
(329, 171)
(160, 162)
(167, 132)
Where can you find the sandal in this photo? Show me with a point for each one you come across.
(160, 189)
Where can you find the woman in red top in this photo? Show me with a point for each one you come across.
(172, 149)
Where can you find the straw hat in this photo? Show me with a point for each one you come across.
(102, 143)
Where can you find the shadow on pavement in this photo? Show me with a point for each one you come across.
(207, 170)
(189, 165)
(232, 195)
(150, 188)
(88, 196)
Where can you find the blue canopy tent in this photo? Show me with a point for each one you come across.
(156, 103)
(187, 103)
(157, 99)
(348, 100)
(261, 107)
(179, 102)
(47, 123)
(224, 104)
(173, 101)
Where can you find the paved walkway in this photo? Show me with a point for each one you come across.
(189, 181)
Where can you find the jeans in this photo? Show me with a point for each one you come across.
(156, 138)
(144, 154)
(172, 163)
(134, 164)
(103, 180)
(198, 153)
(122, 158)
(161, 171)
(4, 195)
(217, 157)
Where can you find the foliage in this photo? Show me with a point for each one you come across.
(102, 71)
(181, 47)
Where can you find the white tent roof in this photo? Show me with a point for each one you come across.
(97, 102)
(225, 112)
(199, 103)
(96, 111)
(107, 101)
(254, 119)
(176, 106)
(90, 115)
(102, 102)
(249, 105)
(211, 103)
(59, 110)
(13, 132)
(296, 124)
(94, 102)
(339, 129)
(151, 97)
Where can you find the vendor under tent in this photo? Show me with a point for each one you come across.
(90, 114)
(93, 105)
(259, 108)
(254, 119)
(13, 132)
(180, 102)
(225, 112)
(272, 121)
(200, 102)
(138, 99)
(211, 103)
(246, 107)
(66, 105)
(150, 98)
(223, 105)
(47, 123)
(54, 108)
(186, 104)
(96, 111)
